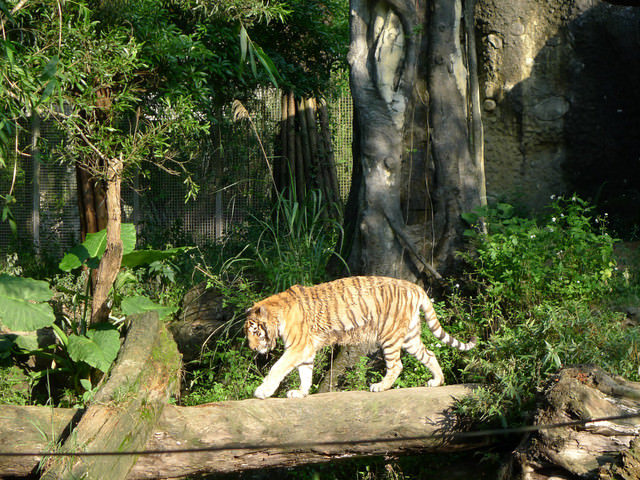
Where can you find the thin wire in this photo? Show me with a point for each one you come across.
(265, 446)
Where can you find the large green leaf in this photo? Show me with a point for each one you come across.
(133, 305)
(145, 257)
(98, 348)
(22, 303)
(94, 246)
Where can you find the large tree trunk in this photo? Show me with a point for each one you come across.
(414, 168)
(459, 183)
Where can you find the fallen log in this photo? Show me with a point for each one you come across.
(279, 432)
(126, 408)
(31, 429)
(591, 450)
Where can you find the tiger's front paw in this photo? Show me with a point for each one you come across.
(377, 387)
(434, 383)
(296, 394)
(263, 392)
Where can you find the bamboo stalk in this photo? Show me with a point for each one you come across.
(292, 151)
(304, 139)
(283, 164)
(328, 148)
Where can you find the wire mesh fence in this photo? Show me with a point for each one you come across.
(232, 174)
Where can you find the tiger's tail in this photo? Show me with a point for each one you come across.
(434, 325)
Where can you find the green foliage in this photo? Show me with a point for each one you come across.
(98, 348)
(133, 305)
(92, 249)
(228, 372)
(541, 292)
(23, 304)
(296, 244)
(14, 386)
(566, 255)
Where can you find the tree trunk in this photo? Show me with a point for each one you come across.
(86, 205)
(121, 416)
(459, 185)
(413, 170)
(112, 257)
(605, 450)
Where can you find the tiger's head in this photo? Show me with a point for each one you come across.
(260, 329)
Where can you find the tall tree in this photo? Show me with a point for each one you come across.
(417, 136)
(126, 83)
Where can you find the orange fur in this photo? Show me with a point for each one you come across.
(348, 311)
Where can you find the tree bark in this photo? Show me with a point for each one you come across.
(112, 257)
(31, 429)
(413, 169)
(230, 436)
(459, 180)
(86, 203)
(125, 410)
(605, 450)
(279, 432)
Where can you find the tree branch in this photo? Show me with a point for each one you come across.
(407, 243)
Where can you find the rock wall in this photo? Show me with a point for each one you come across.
(560, 90)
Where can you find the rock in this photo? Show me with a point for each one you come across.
(203, 317)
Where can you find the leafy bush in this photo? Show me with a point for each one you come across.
(522, 262)
(29, 305)
(227, 372)
(540, 290)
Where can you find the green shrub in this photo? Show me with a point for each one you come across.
(521, 262)
(541, 293)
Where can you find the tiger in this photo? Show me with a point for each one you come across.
(348, 311)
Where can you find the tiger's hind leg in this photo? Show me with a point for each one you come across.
(394, 368)
(416, 348)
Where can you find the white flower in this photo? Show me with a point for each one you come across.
(552, 197)
(533, 236)
(553, 219)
